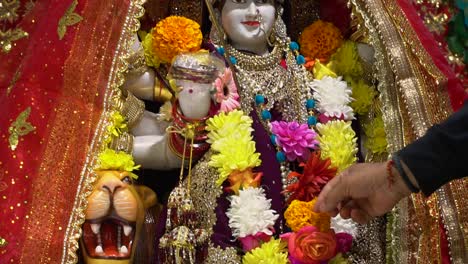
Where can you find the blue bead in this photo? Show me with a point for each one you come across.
(233, 60)
(312, 121)
(259, 99)
(221, 50)
(300, 59)
(310, 103)
(266, 115)
(273, 139)
(280, 157)
(293, 45)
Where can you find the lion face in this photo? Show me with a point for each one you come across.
(115, 213)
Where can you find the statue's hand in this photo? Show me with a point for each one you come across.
(194, 99)
(141, 83)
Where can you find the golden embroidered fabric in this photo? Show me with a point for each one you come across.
(20, 127)
(69, 18)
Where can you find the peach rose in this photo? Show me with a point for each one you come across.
(309, 245)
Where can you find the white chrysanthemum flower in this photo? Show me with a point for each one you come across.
(341, 225)
(333, 97)
(250, 213)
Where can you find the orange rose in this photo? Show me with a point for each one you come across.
(309, 245)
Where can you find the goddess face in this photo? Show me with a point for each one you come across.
(247, 22)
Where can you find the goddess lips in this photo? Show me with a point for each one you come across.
(251, 23)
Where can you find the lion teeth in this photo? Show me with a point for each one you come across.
(123, 250)
(96, 228)
(127, 230)
(99, 250)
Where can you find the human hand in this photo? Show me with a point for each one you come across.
(362, 192)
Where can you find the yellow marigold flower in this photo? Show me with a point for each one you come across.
(110, 159)
(174, 35)
(150, 57)
(236, 153)
(225, 124)
(320, 40)
(376, 137)
(272, 252)
(346, 61)
(321, 71)
(363, 95)
(117, 125)
(300, 214)
(338, 143)
(338, 259)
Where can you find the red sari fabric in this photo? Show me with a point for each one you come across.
(62, 82)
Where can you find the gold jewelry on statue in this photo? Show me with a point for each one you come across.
(133, 109)
(123, 143)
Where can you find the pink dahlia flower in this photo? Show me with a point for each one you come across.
(295, 139)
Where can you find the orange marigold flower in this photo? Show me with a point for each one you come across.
(300, 214)
(174, 35)
(320, 40)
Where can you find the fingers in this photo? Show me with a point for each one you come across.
(334, 192)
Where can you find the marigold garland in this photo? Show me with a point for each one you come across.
(338, 143)
(272, 252)
(363, 95)
(174, 35)
(346, 61)
(300, 214)
(320, 40)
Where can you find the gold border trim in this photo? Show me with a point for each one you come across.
(116, 79)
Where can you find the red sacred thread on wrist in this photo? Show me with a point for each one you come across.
(390, 175)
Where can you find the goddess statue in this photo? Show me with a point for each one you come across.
(71, 89)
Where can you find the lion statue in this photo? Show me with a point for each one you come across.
(117, 220)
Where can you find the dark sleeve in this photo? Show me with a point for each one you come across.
(441, 155)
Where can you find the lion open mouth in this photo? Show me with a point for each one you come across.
(109, 238)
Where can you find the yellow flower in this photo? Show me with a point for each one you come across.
(272, 252)
(363, 95)
(346, 61)
(117, 125)
(174, 35)
(236, 153)
(376, 137)
(150, 57)
(300, 214)
(338, 143)
(226, 124)
(338, 259)
(321, 71)
(109, 159)
(319, 40)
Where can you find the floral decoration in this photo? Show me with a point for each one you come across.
(320, 40)
(338, 143)
(117, 124)
(272, 252)
(309, 245)
(341, 225)
(110, 159)
(320, 70)
(344, 241)
(376, 140)
(300, 214)
(253, 241)
(362, 94)
(174, 35)
(295, 139)
(226, 92)
(150, 57)
(346, 62)
(242, 179)
(316, 174)
(250, 213)
(226, 124)
(333, 97)
(339, 259)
